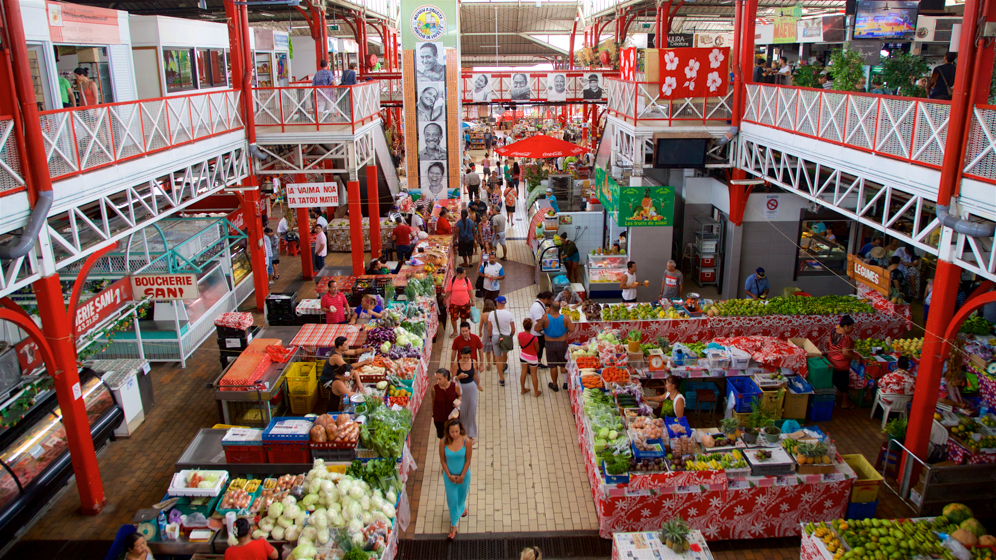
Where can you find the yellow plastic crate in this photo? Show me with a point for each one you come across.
(226, 427)
(865, 488)
(772, 400)
(795, 406)
(303, 404)
(301, 379)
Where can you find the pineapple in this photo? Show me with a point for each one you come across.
(674, 534)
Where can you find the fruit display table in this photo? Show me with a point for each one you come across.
(648, 545)
(865, 539)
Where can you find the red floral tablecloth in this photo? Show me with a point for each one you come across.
(987, 389)
(769, 351)
(720, 512)
(313, 335)
(814, 327)
(963, 456)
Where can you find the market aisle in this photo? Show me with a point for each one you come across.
(527, 473)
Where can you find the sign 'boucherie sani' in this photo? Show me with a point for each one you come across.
(163, 287)
(93, 311)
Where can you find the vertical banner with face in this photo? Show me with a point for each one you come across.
(429, 41)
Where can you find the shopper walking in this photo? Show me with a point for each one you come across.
(487, 349)
(840, 352)
(511, 194)
(323, 82)
(459, 298)
(499, 226)
(942, 79)
(334, 304)
(470, 384)
(473, 182)
(445, 398)
(556, 327)
(489, 139)
(455, 452)
(536, 312)
(321, 248)
(516, 175)
(528, 351)
(403, 237)
(249, 548)
(274, 242)
(487, 235)
(466, 339)
(268, 253)
(486, 164)
(493, 275)
(500, 328)
(466, 232)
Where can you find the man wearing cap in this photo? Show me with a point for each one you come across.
(499, 323)
(757, 286)
(552, 200)
(493, 274)
(593, 91)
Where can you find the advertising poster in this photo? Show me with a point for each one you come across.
(702, 72)
(645, 206)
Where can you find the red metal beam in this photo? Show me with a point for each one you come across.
(74, 297)
(670, 17)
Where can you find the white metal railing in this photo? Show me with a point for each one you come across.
(11, 174)
(640, 102)
(907, 129)
(82, 139)
(312, 106)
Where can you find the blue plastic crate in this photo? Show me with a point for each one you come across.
(614, 478)
(745, 390)
(823, 395)
(269, 436)
(670, 421)
(650, 454)
(799, 386)
(861, 511)
(692, 386)
(820, 412)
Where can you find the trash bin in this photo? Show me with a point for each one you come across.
(145, 387)
(124, 385)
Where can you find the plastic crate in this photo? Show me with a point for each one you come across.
(745, 390)
(287, 452)
(820, 373)
(614, 478)
(820, 412)
(869, 480)
(669, 422)
(269, 436)
(304, 404)
(301, 378)
(861, 511)
(773, 400)
(183, 504)
(241, 454)
(332, 453)
(691, 386)
(650, 454)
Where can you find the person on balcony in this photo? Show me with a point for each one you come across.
(942, 79)
(89, 94)
(66, 91)
(349, 76)
(758, 76)
(323, 79)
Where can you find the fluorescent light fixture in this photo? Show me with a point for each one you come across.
(266, 14)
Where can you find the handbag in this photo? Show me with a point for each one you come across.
(479, 286)
(505, 341)
(946, 85)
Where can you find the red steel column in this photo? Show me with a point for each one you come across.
(355, 225)
(942, 304)
(304, 231)
(570, 51)
(373, 209)
(251, 200)
(56, 323)
(747, 44)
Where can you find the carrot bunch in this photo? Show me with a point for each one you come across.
(592, 382)
(615, 375)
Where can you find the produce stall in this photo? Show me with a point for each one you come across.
(648, 546)
(749, 317)
(339, 236)
(644, 471)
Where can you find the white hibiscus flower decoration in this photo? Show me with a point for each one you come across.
(690, 84)
(715, 58)
(692, 70)
(713, 81)
(669, 84)
(670, 60)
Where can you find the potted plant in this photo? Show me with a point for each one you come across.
(896, 429)
(772, 433)
(749, 435)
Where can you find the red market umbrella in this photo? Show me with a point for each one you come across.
(541, 146)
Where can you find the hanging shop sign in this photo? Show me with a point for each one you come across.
(95, 310)
(82, 25)
(785, 24)
(679, 40)
(312, 195)
(875, 277)
(645, 206)
(687, 73)
(165, 287)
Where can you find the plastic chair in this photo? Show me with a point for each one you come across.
(890, 402)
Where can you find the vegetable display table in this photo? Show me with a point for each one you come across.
(648, 546)
(722, 508)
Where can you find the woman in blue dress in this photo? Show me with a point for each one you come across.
(455, 450)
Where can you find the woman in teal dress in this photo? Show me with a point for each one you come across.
(455, 451)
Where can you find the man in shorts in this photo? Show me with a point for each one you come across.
(556, 327)
(501, 322)
(465, 233)
(536, 312)
(498, 226)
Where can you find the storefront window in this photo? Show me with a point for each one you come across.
(211, 68)
(823, 247)
(179, 69)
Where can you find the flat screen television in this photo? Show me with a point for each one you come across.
(877, 19)
(680, 153)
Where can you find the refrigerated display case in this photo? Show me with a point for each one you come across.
(820, 256)
(34, 455)
(603, 273)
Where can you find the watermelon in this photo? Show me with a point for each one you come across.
(957, 513)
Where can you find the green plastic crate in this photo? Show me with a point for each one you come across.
(820, 373)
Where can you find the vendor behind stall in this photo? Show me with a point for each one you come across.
(377, 266)
(757, 286)
(552, 200)
(335, 304)
(572, 257)
(337, 358)
(840, 352)
(630, 284)
(368, 309)
(336, 380)
(671, 384)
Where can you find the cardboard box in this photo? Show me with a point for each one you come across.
(811, 350)
(88, 54)
(652, 65)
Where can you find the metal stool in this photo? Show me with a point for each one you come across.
(705, 396)
(688, 255)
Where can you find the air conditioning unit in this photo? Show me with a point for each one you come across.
(932, 29)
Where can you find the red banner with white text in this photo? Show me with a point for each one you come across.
(694, 72)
